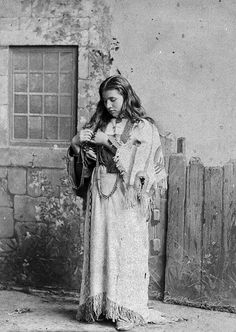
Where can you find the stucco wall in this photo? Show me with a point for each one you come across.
(180, 57)
(86, 25)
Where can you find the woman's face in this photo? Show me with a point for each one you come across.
(113, 102)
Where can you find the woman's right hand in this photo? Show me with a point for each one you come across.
(84, 135)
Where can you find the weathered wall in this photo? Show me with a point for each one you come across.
(180, 57)
(24, 169)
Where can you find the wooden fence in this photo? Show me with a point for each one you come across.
(201, 234)
(157, 229)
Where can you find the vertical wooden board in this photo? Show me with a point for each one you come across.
(194, 208)
(157, 263)
(193, 230)
(212, 230)
(229, 234)
(175, 227)
(157, 233)
(168, 143)
(181, 145)
(229, 204)
(163, 225)
(212, 234)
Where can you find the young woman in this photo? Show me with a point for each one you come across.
(129, 169)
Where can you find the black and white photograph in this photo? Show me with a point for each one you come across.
(117, 165)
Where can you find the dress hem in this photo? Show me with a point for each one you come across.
(100, 304)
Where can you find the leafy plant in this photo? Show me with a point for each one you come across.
(156, 280)
(209, 278)
(50, 252)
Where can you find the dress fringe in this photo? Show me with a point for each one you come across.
(98, 305)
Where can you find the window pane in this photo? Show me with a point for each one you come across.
(65, 105)
(50, 82)
(20, 104)
(65, 83)
(43, 93)
(20, 61)
(20, 82)
(50, 127)
(35, 127)
(51, 62)
(50, 106)
(35, 104)
(65, 128)
(36, 82)
(20, 127)
(65, 61)
(36, 61)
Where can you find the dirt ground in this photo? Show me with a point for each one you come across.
(23, 312)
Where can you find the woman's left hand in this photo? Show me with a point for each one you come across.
(100, 138)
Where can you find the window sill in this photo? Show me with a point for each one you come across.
(49, 157)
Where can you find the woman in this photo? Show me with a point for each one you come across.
(129, 169)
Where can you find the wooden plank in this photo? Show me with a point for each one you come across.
(157, 257)
(229, 204)
(157, 233)
(212, 234)
(168, 143)
(163, 225)
(175, 227)
(181, 145)
(212, 231)
(194, 208)
(228, 292)
(193, 230)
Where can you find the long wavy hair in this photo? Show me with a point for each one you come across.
(131, 108)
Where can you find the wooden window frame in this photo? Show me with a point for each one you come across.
(42, 142)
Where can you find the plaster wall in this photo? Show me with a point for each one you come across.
(33, 175)
(180, 57)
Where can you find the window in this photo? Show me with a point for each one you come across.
(43, 90)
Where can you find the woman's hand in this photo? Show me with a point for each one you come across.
(85, 135)
(100, 138)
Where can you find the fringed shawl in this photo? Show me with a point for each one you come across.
(141, 163)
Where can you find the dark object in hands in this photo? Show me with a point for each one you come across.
(80, 166)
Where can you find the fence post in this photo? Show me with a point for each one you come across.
(193, 229)
(157, 228)
(175, 227)
(168, 142)
(212, 233)
(181, 145)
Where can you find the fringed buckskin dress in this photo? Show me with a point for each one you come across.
(115, 269)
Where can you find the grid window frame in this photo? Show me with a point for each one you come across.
(37, 88)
